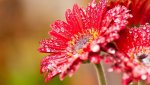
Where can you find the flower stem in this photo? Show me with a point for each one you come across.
(100, 74)
(141, 82)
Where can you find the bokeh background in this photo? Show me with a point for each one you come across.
(23, 23)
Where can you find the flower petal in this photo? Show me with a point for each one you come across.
(58, 64)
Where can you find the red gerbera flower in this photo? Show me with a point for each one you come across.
(135, 44)
(140, 9)
(81, 37)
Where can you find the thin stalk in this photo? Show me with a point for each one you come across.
(100, 74)
(141, 82)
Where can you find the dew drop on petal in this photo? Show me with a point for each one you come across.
(57, 30)
(101, 40)
(135, 36)
(111, 50)
(47, 50)
(95, 48)
(130, 31)
(144, 39)
(117, 20)
(42, 49)
(56, 44)
(49, 67)
(62, 29)
(93, 5)
(46, 46)
(143, 34)
(143, 77)
(148, 30)
(59, 70)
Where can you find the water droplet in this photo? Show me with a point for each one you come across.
(143, 77)
(95, 48)
(93, 5)
(49, 67)
(42, 49)
(136, 36)
(130, 31)
(113, 14)
(101, 40)
(57, 30)
(144, 27)
(111, 50)
(147, 30)
(62, 29)
(46, 46)
(59, 70)
(47, 50)
(57, 44)
(117, 20)
(143, 33)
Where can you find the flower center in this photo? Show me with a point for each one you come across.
(80, 43)
(144, 58)
(81, 40)
(140, 55)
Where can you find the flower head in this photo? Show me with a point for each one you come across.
(134, 44)
(140, 9)
(81, 37)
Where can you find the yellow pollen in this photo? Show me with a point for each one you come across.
(132, 55)
(72, 42)
(80, 51)
(69, 54)
(81, 39)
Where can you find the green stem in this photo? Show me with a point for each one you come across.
(141, 82)
(132, 83)
(100, 74)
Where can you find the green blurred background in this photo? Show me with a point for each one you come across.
(23, 23)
